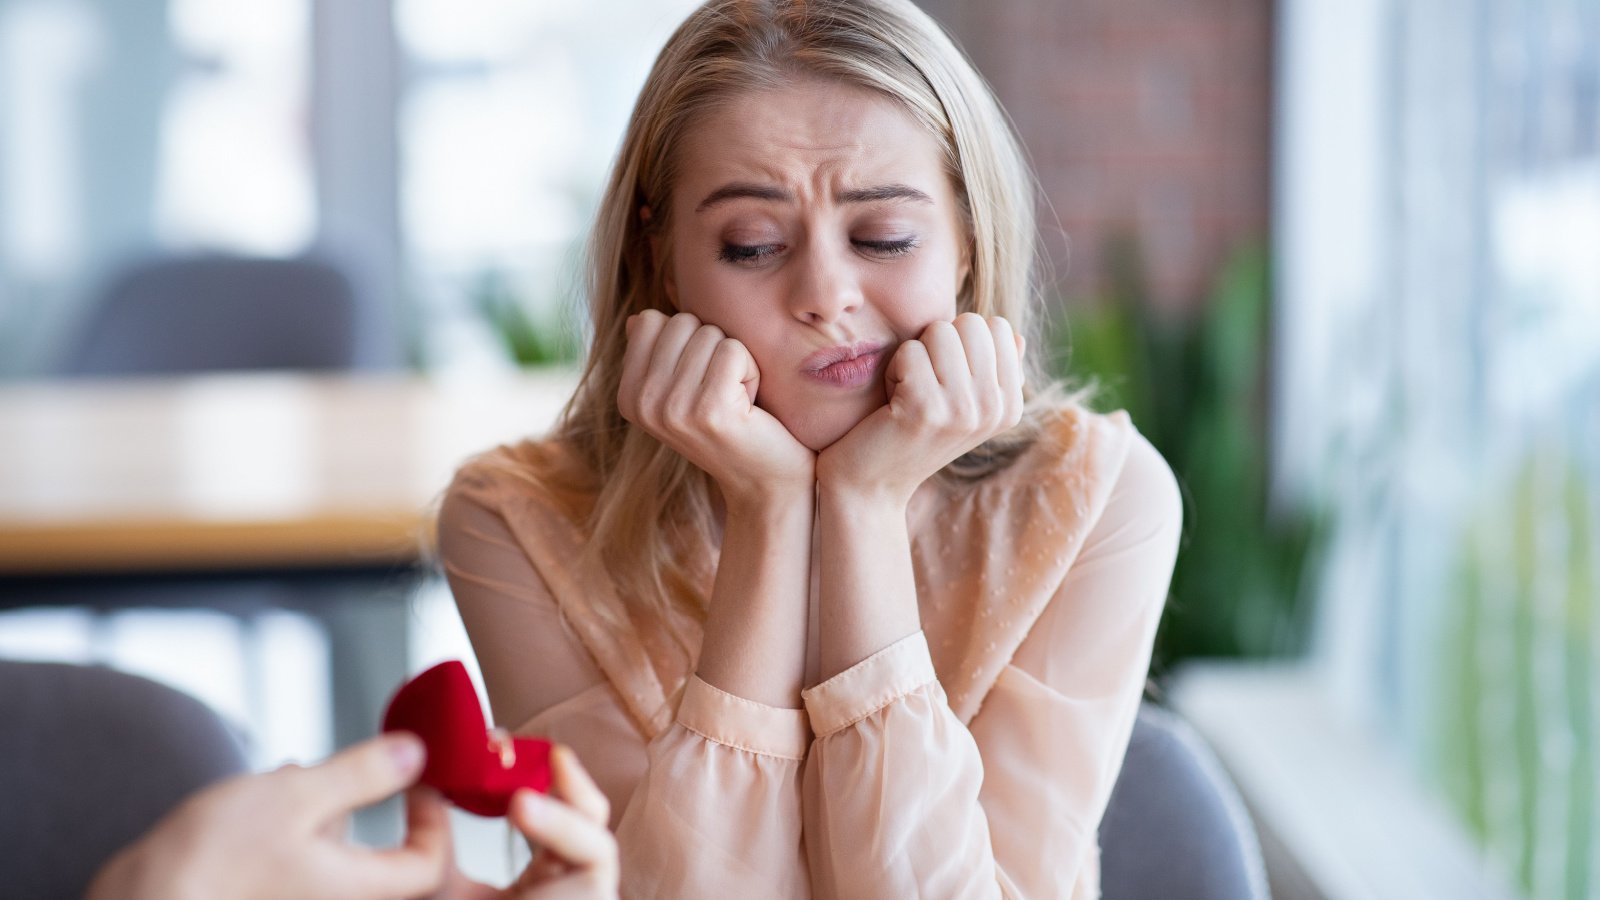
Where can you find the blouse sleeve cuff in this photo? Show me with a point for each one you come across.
(869, 685)
(719, 716)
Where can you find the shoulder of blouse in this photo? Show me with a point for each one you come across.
(530, 471)
(1139, 489)
(1074, 443)
(1147, 491)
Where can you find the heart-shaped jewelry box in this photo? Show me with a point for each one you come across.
(473, 766)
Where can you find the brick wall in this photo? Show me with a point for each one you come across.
(1148, 118)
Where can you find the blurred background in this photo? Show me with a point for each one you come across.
(1341, 263)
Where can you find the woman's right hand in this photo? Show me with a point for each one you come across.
(693, 388)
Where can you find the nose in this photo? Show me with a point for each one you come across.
(826, 287)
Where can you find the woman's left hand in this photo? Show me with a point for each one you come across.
(956, 386)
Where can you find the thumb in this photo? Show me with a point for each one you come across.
(751, 378)
(363, 774)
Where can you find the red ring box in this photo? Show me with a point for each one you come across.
(473, 767)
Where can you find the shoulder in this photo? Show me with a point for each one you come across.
(1100, 465)
(1143, 505)
(1072, 442)
(511, 483)
(545, 471)
(1146, 497)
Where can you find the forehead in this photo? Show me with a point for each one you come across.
(809, 133)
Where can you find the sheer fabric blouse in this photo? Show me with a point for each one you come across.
(972, 759)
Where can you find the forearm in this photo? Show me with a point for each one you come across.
(755, 633)
(867, 589)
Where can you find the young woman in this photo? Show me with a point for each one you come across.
(826, 587)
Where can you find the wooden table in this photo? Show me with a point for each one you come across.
(229, 474)
(129, 492)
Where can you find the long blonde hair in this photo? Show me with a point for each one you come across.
(652, 515)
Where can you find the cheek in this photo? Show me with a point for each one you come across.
(725, 301)
(700, 292)
(917, 297)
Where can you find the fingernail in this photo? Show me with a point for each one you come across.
(407, 751)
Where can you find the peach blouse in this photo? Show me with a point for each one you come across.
(972, 759)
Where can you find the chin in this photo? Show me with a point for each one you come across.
(819, 429)
(820, 437)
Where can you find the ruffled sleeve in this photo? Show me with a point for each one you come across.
(902, 797)
(718, 811)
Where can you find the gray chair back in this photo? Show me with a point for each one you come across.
(210, 313)
(90, 758)
(1176, 826)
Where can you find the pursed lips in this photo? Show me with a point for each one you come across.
(846, 365)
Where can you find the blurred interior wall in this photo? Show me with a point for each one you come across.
(1144, 118)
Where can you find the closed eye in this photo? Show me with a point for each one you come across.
(744, 254)
(752, 254)
(888, 248)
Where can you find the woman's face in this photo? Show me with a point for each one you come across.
(816, 225)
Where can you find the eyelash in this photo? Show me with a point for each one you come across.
(745, 254)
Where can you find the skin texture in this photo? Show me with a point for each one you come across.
(811, 217)
(280, 835)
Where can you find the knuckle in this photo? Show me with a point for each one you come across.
(673, 415)
(651, 320)
(647, 398)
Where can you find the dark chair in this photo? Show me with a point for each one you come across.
(90, 758)
(193, 314)
(1176, 826)
(211, 313)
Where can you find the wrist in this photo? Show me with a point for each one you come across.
(768, 501)
(858, 493)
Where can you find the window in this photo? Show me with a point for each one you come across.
(1440, 288)
(512, 116)
(137, 125)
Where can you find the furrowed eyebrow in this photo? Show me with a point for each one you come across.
(884, 192)
(735, 191)
(876, 194)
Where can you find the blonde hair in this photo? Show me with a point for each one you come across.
(652, 516)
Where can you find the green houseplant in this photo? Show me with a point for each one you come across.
(1197, 389)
